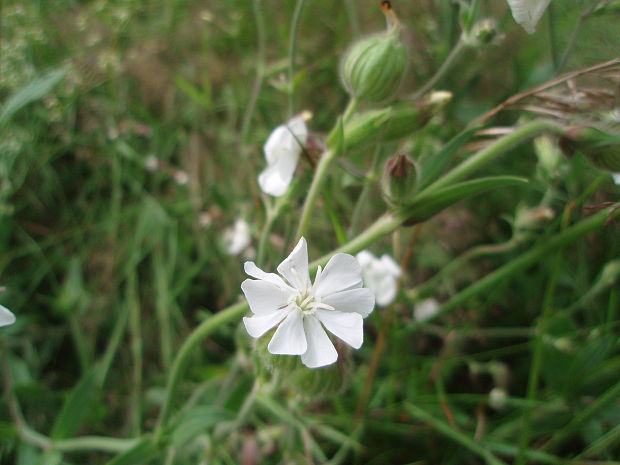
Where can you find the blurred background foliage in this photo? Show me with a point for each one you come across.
(137, 142)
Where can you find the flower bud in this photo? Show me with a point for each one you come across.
(600, 146)
(388, 124)
(400, 179)
(484, 32)
(373, 68)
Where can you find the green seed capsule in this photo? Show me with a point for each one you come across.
(373, 68)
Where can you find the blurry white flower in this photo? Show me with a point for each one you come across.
(380, 276)
(528, 12)
(497, 398)
(282, 151)
(6, 316)
(336, 301)
(181, 177)
(237, 237)
(151, 163)
(616, 178)
(426, 309)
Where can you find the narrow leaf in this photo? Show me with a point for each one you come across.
(433, 165)
(29, 93)
(140, 454)
(76, 407)
(427, 206)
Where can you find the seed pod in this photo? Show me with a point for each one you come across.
(363, 128)
(400, 179)
(600, 146)
(373, 68)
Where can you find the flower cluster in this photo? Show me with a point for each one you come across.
(302, 310)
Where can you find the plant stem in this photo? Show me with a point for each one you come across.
(443, 69)
(299, 8)
(454, 434)
(497, 148)
(320, 175)
(260, 70)
(207, 327)
(526, 260)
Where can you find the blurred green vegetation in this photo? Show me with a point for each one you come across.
(131, 136)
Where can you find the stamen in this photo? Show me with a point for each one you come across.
(322, 305)
(317, 278)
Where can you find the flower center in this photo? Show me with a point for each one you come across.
(307, 302)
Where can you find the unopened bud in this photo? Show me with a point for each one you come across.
(388, 124)
(373, 68)
(400, 179)
(601, 146)
(484, 32)
(529, 219)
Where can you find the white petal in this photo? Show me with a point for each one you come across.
(295, 267)
(616, 177)
(390, 266)
(290, 137)
(6, 316)
(238, 237)
(365, 258)
(528, 12)
(282, 151)
(359, 301)
(385, 289)
(252, 270)
(275, 179)
(320, 351)
(289, 338)
(264, 297)
(347, 326)
(426, 309)
(342, 272)
(256, 326)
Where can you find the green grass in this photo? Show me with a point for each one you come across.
(128, 346)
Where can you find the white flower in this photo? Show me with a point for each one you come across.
(336, 301)
(282, 151)
(6, 316)
(380, 275)
(616, 177)
(426, 309)
(528, 12)
(237, 237)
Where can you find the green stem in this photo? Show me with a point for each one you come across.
(264, 237)
(207, 327)
(95, 443)
(350, 110)
(260, 70)
(299, 8)
(526, 260)
(604, 401)
(497, 148)
(320, 175)
(459, 262)
(443, 69)
(536, 365)
(362, 201)
(454, 434)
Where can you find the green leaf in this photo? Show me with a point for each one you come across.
(197, 421)
(426, 206)
(433, 165)
(29, 93)
(139, 454)
(76, 408)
